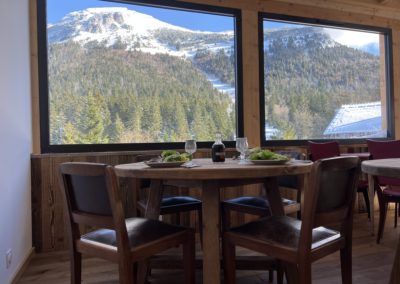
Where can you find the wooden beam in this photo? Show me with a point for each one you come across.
(34, 78)
(251, 93)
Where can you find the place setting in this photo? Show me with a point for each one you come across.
(173, 158)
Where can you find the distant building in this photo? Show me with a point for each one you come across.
(356, 121)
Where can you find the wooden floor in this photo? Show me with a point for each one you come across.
(371, 263)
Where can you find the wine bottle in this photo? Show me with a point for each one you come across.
(218, 149)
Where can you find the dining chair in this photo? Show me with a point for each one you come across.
(388, 189)
(328, 201)
(170, 204)
(259, 206)
(331, 149)
(91, 198)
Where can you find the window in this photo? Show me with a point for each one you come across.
(132, 75)
(323, 81)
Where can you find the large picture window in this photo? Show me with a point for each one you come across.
(133, 76)
(323, 81)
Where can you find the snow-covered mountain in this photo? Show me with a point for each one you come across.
(121, 27)
(300, 38)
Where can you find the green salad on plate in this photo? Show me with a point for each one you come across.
(259, 154)
(168, 156)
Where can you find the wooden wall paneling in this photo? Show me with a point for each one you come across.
(366, 7)
(251, 100)
(36, 199)
(353, 11)
(396, 80)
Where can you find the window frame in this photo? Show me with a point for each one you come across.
(45, 145)
(262, 16)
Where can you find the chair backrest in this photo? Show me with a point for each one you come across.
(323, 150)
(329, 199)
(91, 196)
(384, 150)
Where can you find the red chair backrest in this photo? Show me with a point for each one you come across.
(323, 150)
(385, 150)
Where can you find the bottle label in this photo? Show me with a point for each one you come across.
(220, 154)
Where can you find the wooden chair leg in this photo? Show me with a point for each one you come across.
(76, 267)
(291, 272)
(366, 199)
(142, 271)
(270, 275)
(200, 214)
(126, 273)
(225, 219)
(279, 272)
(382, 218)
(229, 261)
(189, 258)
(399, 211)
(304, 272)
(346, 264)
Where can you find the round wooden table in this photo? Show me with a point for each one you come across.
(387, 168)
(210, 177)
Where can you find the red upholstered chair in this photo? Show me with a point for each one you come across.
(91, 195)
(331, 149)
(328, 201)
(323, 150)
(388, 189)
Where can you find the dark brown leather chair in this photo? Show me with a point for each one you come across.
(174, 204)
(92, 198)
(331, 149)
(328, 201)
(259, 206)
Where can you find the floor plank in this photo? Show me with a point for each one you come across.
(371, 263)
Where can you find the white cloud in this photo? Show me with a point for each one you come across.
(352, 38)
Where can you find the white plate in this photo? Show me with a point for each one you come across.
(164, 164)
(269, 162)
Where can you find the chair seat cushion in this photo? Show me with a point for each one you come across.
(284, 231)
(288, 181)
(140, 231)
(258, 202)
(178, 200)
(392, 191)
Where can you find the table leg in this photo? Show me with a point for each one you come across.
(152, 212)
(273, 195)
(211, 230)
(302, 184)
(371, 186)
(154, 200)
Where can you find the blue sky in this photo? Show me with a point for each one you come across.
(56, 9)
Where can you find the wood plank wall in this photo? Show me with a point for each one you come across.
(48, 228)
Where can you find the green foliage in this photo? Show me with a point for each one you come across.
(118, 96)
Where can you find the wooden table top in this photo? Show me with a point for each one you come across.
(382, 167)
(207, 170)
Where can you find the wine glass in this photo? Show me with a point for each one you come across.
(242, 146)
(190, 148)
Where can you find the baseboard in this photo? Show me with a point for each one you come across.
(22, 267)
